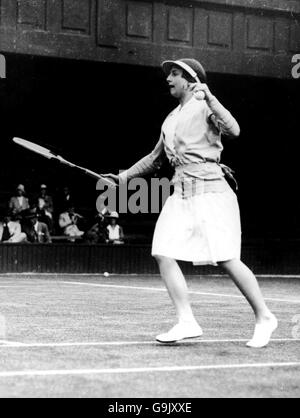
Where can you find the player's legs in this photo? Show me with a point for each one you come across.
(176, 286)
(245, 280)
(248, 285)
(175, 282)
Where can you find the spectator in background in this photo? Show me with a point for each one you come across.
(10, 229)
(114, 230)
(98, 234)
(66, 200)
(36, 232)
(45, 207)
(68, 221)
(19, 203)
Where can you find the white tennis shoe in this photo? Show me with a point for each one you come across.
(263, 333)
(181, 332)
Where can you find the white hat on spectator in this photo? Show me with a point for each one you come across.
(114, 215)
(43, 186)
(21, 187)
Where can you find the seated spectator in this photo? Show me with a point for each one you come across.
(10, 229)
(45, 207)
(19, 203)
(36, 232)
(68, 222)
(114, 230)
(98, 234)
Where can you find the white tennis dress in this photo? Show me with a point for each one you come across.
(200, 222)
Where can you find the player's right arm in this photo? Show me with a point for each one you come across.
(147, 165)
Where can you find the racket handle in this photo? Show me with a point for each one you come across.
(99, 177)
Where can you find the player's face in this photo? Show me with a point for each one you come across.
(178, 85)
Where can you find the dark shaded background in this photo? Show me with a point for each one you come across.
(107, 116)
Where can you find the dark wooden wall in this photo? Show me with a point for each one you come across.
(257, 37)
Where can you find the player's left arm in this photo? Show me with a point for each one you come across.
(221, 117)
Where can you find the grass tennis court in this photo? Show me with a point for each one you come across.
(91, 336)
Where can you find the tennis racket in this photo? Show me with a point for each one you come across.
(45, 152)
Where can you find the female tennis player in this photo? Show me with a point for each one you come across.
(200, 222)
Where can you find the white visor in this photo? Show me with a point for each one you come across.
(168, 64)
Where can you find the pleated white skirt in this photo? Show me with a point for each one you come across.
(202, 229)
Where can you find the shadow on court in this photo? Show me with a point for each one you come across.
(90, 336)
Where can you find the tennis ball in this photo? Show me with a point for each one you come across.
(106, 274)
(200, 95)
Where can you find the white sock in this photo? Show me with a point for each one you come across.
(263, 333)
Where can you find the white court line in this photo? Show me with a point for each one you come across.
(34, 373)
(10, 343)
(14, 286)
(278, 276)
(34, 274)
(131, 343)
(157, 289)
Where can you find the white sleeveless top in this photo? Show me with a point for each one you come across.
(113, 232)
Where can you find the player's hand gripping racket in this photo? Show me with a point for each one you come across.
(45, 152)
